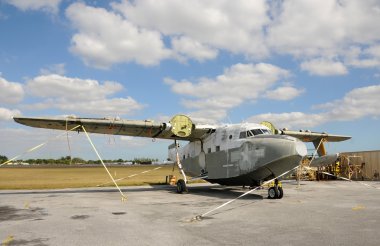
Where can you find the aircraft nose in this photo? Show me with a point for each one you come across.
(301, 148)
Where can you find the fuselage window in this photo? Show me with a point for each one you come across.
(249, 134)
(243, 135)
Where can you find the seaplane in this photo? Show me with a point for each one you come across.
(245, 154)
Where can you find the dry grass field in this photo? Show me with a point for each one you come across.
(40, 177)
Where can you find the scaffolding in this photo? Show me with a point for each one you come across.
(352, 166)
(348, 166)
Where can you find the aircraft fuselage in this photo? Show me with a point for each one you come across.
(240, 154)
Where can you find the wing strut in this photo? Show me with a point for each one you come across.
(179, 162)
(320, 147)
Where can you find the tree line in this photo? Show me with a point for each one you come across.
(67, 160)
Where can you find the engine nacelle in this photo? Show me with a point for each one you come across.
(181, 125)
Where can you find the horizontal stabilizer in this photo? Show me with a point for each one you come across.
(307, 136)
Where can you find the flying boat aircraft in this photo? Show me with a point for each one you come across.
(245, 154)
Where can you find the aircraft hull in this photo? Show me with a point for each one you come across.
(265, 172)
(254, 160)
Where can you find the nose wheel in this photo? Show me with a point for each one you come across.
(181, 186)
(275, 190)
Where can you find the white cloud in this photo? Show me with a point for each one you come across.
(290, 120)
(80, 95)
(238, 83)
(51, 6)
(103, 107)
(320, 36)
(10, 92)
(310, 28)
(234, 26)
(105, 38)
(57, 86)
(135, 142)
(374, 51)
(54, 69)
(7, 114)
(358, 103)
(363, 58)
(284, 93)
(208, 115)
(306, 28)
(189, 48)
(324, 67)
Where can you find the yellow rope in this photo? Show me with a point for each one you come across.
(123, 197)
(68, 143)
(199, 217)
(36, 147)
(130, 176)
(346, 179)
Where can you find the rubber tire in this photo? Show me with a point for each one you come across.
(272, 193)
(181, 186)
(280, 193)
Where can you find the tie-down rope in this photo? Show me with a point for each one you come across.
(343, 178)
(130, 176)
(346, 179)
(123, 197)
(199, 217)
(36, 147)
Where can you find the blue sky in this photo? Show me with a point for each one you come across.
(298, 64)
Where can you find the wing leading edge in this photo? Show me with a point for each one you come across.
(136, 128)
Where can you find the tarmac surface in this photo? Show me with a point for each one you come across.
(315, 213)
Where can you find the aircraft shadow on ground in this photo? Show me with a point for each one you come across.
(222, 192)
(207, 191)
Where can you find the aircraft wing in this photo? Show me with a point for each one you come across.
(307, 136)
(180, 127)
(315, 137)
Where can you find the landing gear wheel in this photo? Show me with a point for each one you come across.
(272, 193)
(181, 186)
(280, 193)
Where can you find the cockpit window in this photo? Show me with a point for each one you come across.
(260, 131)
(253, 132)
(266, 131)
(256, 131)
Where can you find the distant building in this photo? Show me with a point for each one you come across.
(369, 160)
